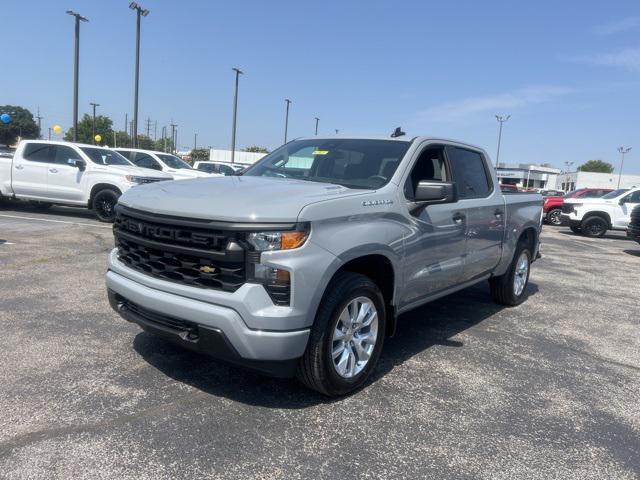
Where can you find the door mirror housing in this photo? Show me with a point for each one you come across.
(79, 164)
(429, 192)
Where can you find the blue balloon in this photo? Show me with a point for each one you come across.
(5, 117)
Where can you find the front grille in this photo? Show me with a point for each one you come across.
(143, 180)
(183, 327)
(177, 251)
(567, 208)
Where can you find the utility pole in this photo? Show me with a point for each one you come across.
(501, 120)
(173, 135)
(148, 127)
(79, 18)
(139, 12)
(155, 131)
(93, 128)
(623, 151)
(126, 122)
(317, 120)
(286, 119)
(49, 133)
(39, 117)
(164, 138)
(195, 141)
(337, 131)
(567, 166)
(235, 114)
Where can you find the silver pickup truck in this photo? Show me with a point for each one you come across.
(302, 264)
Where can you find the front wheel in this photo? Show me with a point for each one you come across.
(553, 217)
(594, 227)
(346, 338)
(104, 205)
(509, 289)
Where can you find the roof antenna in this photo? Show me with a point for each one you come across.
(397, 133)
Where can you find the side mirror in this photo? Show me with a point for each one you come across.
(428, 192)
(79, 164)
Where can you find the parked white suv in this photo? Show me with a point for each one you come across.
(594, 216)
(164, 162)
(50, 172)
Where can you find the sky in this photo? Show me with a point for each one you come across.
(568, 72)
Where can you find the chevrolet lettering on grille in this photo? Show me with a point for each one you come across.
(163, 232)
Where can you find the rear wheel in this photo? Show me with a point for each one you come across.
(509, 289)
(553, 217)
(104, 205)
(594, 227)
(346, 338)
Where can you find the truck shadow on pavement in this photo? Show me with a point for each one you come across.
(434, 324)
(635, 253)
(56, 210)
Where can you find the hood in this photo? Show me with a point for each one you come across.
(233, 199)
(184, 173)
(133, 170)
(589, 201)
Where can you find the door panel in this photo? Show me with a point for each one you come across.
(622, 215)
(65, 181)
(30, 170)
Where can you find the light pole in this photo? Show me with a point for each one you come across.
(235, 114)
(173, 135)
(286, 119)
(623, 151)
(317, 120)
(567, 166)
(139, 12)
(93, 128)
(79, 18)
(195, 141)
(337, 131)
(501, 120)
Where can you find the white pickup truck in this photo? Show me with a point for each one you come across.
(592, 217)
(49, 172)
(164, 162)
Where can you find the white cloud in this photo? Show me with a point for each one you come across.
(497, 103)
(617, 27)
(628, 58)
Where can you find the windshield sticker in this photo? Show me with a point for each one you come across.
(320, 152)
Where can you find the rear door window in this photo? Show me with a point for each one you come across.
(145, 161)
(39, 152)
(469, 172)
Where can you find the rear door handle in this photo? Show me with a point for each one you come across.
(458, 217)
(53, 170)
(19, 167)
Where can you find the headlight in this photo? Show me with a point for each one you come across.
(270, 241)
(134, 179)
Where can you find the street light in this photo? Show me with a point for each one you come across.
(235, 114)
(139, 12)
(501, 120)
(286, 120)
(93, 128)
(317, 120)
(79, 18)
(567, 166)
(623, 151)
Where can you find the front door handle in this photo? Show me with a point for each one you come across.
(53, 170)
(498, 213)
(458, 217)
(19, 167)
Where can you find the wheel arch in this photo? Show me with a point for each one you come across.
(99, 187)
(597, 213)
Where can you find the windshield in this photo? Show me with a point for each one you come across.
(173, 161)
(352, 163)
(615, 193)
(102, 156)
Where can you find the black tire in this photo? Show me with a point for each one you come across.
(594, 227)
(502, 287)
(315, 368)
(104, 203)
(41, 206)
(575, 229)
(553, 217)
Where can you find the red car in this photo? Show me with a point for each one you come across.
(552, 206)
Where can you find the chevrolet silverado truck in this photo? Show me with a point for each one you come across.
(50, 173)
(302, 264)
(552, 206)
(592, 217)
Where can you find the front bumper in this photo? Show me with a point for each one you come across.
(224, 322)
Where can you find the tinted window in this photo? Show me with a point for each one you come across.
(615, 193)
(633, 197)
(145, 161)
(207, 167)
(39, 152)
(469, 172)
(591, 194)
(173, 162)
(125, 153)
(64, 154)
(103, 156)
(429, 166)
(226, 170)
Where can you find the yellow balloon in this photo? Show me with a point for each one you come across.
(97, 138)
(57, 129)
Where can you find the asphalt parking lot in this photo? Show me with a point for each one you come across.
(467, 389)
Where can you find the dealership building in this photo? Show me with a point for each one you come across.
(573, 180)
(526, 175)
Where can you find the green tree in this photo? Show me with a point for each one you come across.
(123, 140)
(596, 166)
(22, 124)
(104, 128)
(256, 149)
(199, 154)
(159, 145)
(145, 143)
